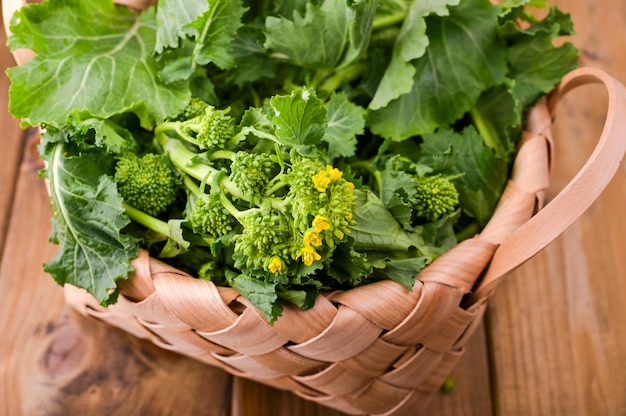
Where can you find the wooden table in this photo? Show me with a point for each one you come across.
(553, 340)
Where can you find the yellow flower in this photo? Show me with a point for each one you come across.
(311, 238)
(276, 264)
(321, 181)
(334, 173)
(320, 224)
(350, 186)
(309, 255)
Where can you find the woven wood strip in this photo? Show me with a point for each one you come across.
(248, 335)
(335, 380)
(366, 300)
(318, 319)
(379, 397)
(415, 370)
(288, 363)
(435, 305)
(200, 299)
(348, 335)
(460, 275)
(249, 367)
(374, 360)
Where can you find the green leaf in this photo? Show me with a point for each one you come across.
(464, 57)
(348, 265)
(299, 119)
(171, 17)
(536, 64)
(105, 133)
(252, 61)
(214, 31)
(346, 120)
(261, 294)
(498, 118)
(403, 271)
(377, 229)
(397, 190)
(410, 44)
(440, 234)
(328, 36)
(88, 220)
(303, 299)
(208, 33)
(93, 57)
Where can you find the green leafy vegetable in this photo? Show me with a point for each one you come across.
(93, 253)
(282, 148)
(89, 54)
(328, 36)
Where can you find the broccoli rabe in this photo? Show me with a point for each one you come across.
(147, 183)
(264, 209)
(209, 216)
(278, 210)
(435, 196)
(196, 107)
(209, 129)
(252, 172)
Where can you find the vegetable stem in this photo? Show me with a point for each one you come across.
(146, 220)
(388, 21)
(222, 154)
(485, 130)
(342, 76)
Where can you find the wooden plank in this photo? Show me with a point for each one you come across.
(9, 139)
(471, 394)
(254, 399)
(557, 326)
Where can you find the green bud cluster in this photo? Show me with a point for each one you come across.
(252, 172)
(306, 199)
(265, 235)
(147, 183)
(338, 207)
(196, 107)
(209, 216)
(210, 130)
(436, 196)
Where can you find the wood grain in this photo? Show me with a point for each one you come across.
(11, 152)
(552, 342)
(556, 326)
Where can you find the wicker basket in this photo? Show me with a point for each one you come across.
(376, 349)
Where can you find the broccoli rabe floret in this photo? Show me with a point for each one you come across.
(196, 107)
(147, 183)
(265, 239)
(209, 216)
(211, 129)
(436, 196)
(252, 172)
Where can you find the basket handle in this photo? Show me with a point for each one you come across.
(574, 199)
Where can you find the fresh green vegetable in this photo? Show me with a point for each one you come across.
(281, 148)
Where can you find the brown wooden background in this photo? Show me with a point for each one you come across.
(553, 341)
